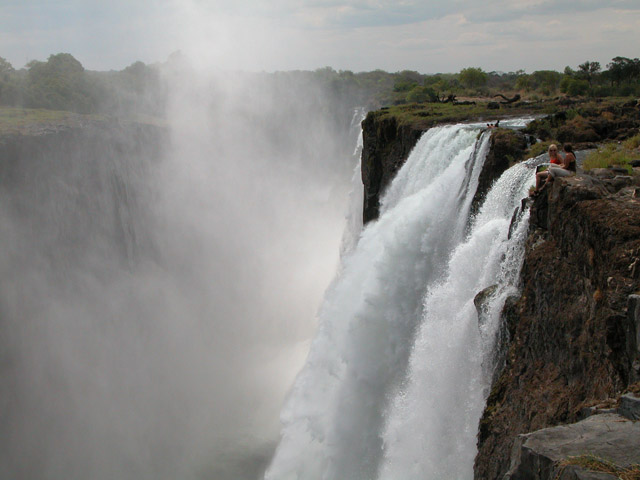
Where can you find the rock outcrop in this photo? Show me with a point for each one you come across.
(571, 340)
(506, 147)
(386, 146)
(589, 123)
(68, 173)
(574, 330)
(547, 453)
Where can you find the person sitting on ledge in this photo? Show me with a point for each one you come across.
(560, 167)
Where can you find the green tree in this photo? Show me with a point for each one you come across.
(472, 77)
(546, 81)
(523, 82)
(60, 84)
(9, 90)
(574, 86)
(422, 94)
(6, 69)
(623, 69)
(588, 71)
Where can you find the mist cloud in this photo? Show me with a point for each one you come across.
(155, 306)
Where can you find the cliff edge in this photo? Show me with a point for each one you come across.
(387, 144)
(572, 336)
(573, 332)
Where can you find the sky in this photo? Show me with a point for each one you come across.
(428, 36)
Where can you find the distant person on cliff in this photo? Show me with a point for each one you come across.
(554, 159)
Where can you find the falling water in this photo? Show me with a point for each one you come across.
(396, 378)
(356, 195)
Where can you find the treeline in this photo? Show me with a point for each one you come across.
(62, 83)
(621, 78)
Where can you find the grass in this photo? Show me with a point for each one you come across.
(14, 120)
(596, 464)
(19, 120)
(426, 115)
(614, 154)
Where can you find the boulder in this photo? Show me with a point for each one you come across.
(539, 455)
(630, 408)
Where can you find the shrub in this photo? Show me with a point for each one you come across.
(578, 87)
(422, 94)
(632, 143)
(540, 148)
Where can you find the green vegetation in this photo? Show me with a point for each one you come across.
(62, 83)
(21, 120)
(425, 115)
(472, 77)
(540, 147)
(614, 154)
(596, 464)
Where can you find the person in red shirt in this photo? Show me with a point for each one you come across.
(554, 159)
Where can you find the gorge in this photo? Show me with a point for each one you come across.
(155, 278)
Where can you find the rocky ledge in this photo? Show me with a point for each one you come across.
(567, 452)
(573, 334)
(390, 134)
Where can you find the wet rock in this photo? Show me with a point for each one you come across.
(506, 147)
(386, 146)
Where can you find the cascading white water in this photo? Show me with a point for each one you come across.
(432, 425)
(356, 195)
(334, 418)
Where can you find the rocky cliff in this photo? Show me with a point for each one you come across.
(386, 146)
(387, 143)
(572, 336)
(86, 174)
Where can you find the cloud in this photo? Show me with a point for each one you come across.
(307, 34)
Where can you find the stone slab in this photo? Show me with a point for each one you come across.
(608, 436)
(629, 407)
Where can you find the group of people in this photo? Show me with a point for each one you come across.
(559, 166)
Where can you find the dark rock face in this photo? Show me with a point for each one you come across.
(573, 337)
(87, 176)
(386, 146)
(507, 146)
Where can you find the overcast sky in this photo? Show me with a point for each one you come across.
(425, 35)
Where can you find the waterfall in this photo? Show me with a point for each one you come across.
(356, 195)
(398, 372)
